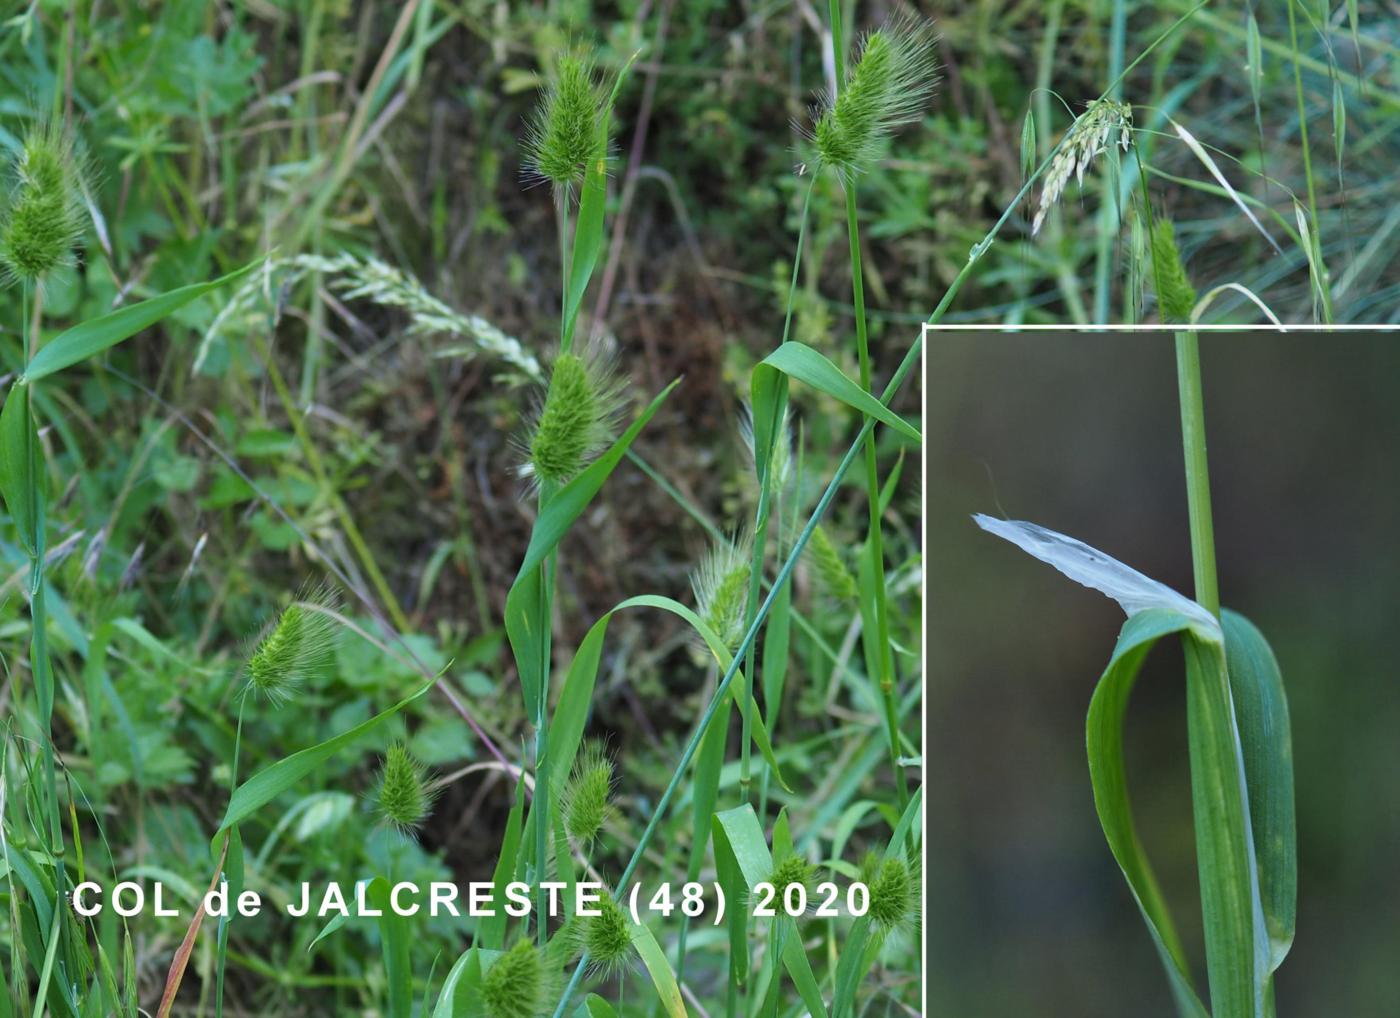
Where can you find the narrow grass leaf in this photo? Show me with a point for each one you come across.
(462, 987)
(799, 361)
(1200, 153)
(20, 471)
(1261, 712)
(491, 931)
(395, 938)
(272, 781)
(97, 334)
(663, 977)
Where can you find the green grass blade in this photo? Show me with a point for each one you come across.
(272, 781)
(1107, 773)
(461, 988)
(662, 977)
(20, 472)
(799, 361)
(395, 940)
(1261, 712)
(523, 627)
(97, 334)
(491, 931)
(1236, 944)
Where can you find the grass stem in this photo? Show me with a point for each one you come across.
(1193, 440)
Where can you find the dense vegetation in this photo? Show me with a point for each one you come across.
(420, 278)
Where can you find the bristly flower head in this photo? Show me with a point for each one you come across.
(1176, 297)
(585, 799)
(575, 423)
(832, 572)
(793, 869)
(888, 87)
(299, 646)
(1103, 124)
(721, 586)
(404, 798)
(568, 127)
(894, 892)
(513, 987)
(43, 219)
(607, 937)
(780, 463)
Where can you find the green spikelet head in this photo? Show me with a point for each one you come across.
(832, 573)
(1176, 297)
(894, 896)
(721, 586)
(585, 798)
(780, 463)
(576, 421)
(888, 87)
(403, 799)
(567, 130)
(607, 937)
(513, 987)
(299, 647)
(793, 869)
(44, 217)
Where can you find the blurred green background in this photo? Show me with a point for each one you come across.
(1027, 912)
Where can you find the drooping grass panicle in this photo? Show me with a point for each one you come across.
(889, 86)
(1176, 297)
(404, 798)
(44, 215)
(721, 586)
(606, 937)
(577, 417)
(585, 799)
(568, 126)
(514, 985)
(1103, 124)
(298, 647)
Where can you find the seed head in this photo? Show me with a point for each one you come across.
(607, 937)
(780, 465)
(1103, 124)
(888, 87)
(403, 799)
(893, 892)
(567, 130)
(832, 573)
(1176, 297)
(513, 987)
(300, 646)
(43, 220)
(792, 870)
(585, 798)
(576, 421)
(721, 586)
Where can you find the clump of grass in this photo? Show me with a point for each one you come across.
(403, 799)
(721, 584)
(567, 129)
(606, 937)
(1176, 297)
(575, 422)
(45, 216)
(889, 86)
(585, 799)
(514, 986)
(1103, 124)
(299, 646)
